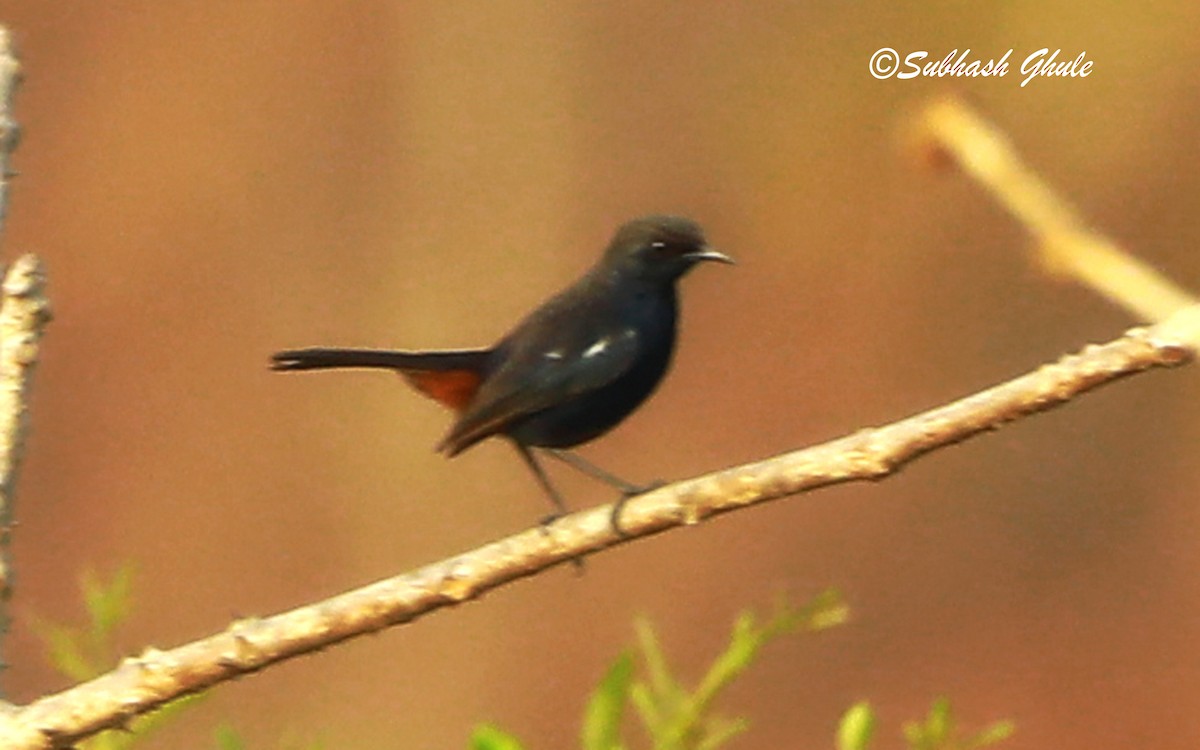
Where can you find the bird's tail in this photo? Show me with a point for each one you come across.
(448, 377)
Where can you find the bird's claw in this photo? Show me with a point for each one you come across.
(544, 525)
(634, 490)
(626, 495)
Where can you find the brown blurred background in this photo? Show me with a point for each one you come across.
(210, 182)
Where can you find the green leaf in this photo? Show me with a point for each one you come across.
(993, 734)
(914, 735)
(227, 738)
(491, 737)
(939, 725)
(744, 643)
(602, 720)
(647, 708)
(67, 654)
(935, 731)
(662, 685)
(746, 640)
(108, 604)
(720, 731)
(856, 727)
(825, 610)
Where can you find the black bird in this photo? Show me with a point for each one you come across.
(573, 368)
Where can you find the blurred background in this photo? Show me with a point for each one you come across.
(210, 182)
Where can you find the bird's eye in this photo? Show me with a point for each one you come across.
(658, 246)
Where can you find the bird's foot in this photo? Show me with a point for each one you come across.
(628, 494)
(544, 525)
(634, 490)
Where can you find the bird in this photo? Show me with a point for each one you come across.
(572, 369)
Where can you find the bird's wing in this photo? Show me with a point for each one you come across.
(543, 373)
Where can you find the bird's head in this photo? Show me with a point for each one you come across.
(659, 248)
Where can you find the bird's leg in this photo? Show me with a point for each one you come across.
(560, 508)
(628, 489)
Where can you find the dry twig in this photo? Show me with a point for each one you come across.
(1068, 247)
(10, 76)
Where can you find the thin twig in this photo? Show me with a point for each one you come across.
(1068, 247)
(10, 77)
(155, 677)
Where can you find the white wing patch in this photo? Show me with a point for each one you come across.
(596, 348)
(602, 345)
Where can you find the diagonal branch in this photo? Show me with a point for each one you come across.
(1067, 245)
(155, 677)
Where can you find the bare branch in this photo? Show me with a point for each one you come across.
(143, 683)
(24, 312)
(1067, 245)
(23, 315)
(10, 77)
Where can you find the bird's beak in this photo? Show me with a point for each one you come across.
(707, 253)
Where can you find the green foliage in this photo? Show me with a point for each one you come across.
(677, 717)
(606, 709)
(939, 731)
(856, 727)
(488, 737)
(227, 738)
(83, 652)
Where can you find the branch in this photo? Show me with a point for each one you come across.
(10, 76)
(24, 312)
(155, 677)
(1068, 247)
(23, 315)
